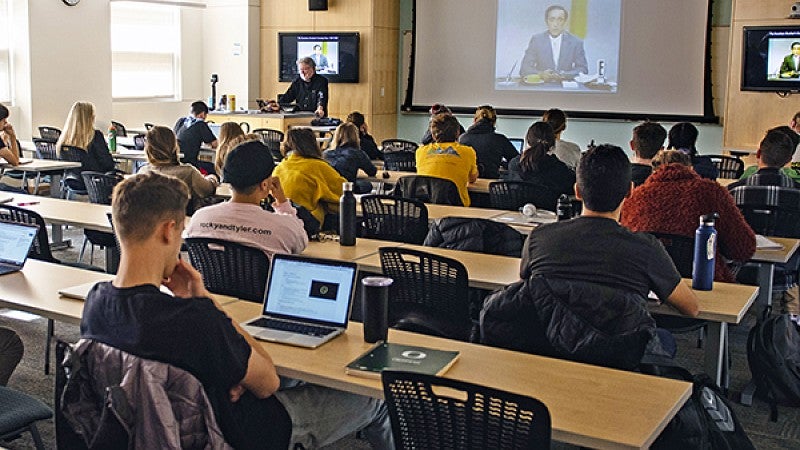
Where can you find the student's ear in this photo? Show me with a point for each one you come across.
(630, 143)
(630, 190)
(166, 230)
(577, 192)
(758, 154)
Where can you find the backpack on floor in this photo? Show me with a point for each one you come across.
(773, 353)
(706, 421)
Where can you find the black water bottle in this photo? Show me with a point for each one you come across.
(563, 208)
(347, 215)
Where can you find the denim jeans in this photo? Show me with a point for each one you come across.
(321, 415)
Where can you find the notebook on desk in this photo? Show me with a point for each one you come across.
(15, 243)
(307, 301)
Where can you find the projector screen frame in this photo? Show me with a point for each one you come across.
(708, 115)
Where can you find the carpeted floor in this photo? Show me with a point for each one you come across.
(783, 434)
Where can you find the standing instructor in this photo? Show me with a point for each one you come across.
(308, 90)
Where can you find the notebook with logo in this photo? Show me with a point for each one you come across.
(15, 243)
(307, 301)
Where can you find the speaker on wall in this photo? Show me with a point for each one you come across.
(317, 5)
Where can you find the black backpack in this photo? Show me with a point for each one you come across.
(773, 352)
(706, 421)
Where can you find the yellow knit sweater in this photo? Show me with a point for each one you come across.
(311, 183)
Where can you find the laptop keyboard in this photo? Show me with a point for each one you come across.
(293, 327)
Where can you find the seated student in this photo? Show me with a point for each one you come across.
(604, 270)
(9, 147)
(672, 200)
(189, 330)
(193, 131)
(770, 174)
(436, 109)
(228, 132)
(446, 158)
(648, 139)
(537, 165)
(794, 124)
(683, 136)
(366, 141)
(308, 179)
(162, 157)
(11, 351)
(567, 152)
(79, 132)
(248, 168)
(490, 146)
(224, 149)
(346, 157)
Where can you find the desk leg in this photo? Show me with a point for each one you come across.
(715, 352)
(57, 237)
(766, 272)
(112, 259)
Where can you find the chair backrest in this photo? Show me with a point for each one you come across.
(402, 161)
(230, 268)
(120, 129)
(512, 195)
(475, 235)
(138, 141)
(428, 190)
(394, 219)
(148, 125)
(72, 154)
(272, 139)
(41, 246)
(45, 148)
(770, 210)
(728, 166)
(100, 186)
(49, 133)
(680, 249)
(430, 293)
(398, 145)
(19, 414)
(427, 411)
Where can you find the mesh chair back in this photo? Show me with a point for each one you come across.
(461, 415)
(272, 139)
(680, 249)
(121, 132)
(400, 161)
(71, 153)
(139, 141)
(430, 293)
(728, 166)
(512, 195)
(148, 126)
(45, 148)
(398, 145)
(428, 190)
(394, 219)
(229, 268)
(100, 186)
(49, 133)
(770, 210)
(41, 246)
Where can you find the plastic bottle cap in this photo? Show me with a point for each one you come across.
(377, 281)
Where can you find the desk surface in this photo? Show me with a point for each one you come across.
(777, 256)
(589, 405)
(56, 210)
(42, 165)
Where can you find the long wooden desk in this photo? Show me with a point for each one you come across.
(590, 406)
(766, 260)
(40, 166)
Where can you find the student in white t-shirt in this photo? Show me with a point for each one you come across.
(248, 168)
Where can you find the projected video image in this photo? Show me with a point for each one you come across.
(324, 53)
(783, 56)
(561, 45)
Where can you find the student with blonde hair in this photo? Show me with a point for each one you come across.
(491, 147)
(346, 157)
(79, 131)
(161, 148)
(227, 133)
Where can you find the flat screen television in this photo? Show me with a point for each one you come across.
(771, 59)
(335, 54)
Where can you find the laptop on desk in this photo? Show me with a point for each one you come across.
(307, 301)
(15, 243)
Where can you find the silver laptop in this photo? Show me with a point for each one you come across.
(15, 243)
(215, 127)
(307, 301)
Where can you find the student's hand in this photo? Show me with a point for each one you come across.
(276, 189)
(8, 129)
(236, 393)
(186, 281)
(320, 112)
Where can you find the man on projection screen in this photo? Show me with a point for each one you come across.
(555, 54)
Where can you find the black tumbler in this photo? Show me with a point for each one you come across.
(375, 308)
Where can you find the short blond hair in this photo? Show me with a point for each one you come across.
(143, 200)
(346, 135)
(230, 144)
(666, 157)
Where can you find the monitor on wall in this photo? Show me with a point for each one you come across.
(771, 59)
(335, 55)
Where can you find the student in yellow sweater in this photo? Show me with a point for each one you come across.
(446, 158)
(307, 178)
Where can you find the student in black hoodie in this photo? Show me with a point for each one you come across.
(490, 146)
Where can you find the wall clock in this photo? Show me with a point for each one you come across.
(71, 2)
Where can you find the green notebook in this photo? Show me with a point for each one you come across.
(409, 358)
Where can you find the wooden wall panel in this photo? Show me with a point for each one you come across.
(286, 14)
(385, 14)
(383, 126)
(761, 9)
(384, 83)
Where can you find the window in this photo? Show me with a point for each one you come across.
(145, 50)
(5, 54)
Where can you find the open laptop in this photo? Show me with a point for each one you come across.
(15, 243)
(307, 301)
(517, 143)
(215, 127)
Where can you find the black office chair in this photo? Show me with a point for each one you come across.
(394, 219)
(400, 161)
(121, 132)
(512, 195)
(230, 268)
(728, 166)
(770, 210)
(139, 141)
(428, 190)
(272, 139)
(72, 182)
(49, 133)
(398, 145)
(430, 412)
(19, 414)
(99, 187)
(430, 293)
(148, 126)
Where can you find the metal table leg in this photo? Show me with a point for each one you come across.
(766, 273)
(715, 352)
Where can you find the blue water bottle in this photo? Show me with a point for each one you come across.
(705, 250)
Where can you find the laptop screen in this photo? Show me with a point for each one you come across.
(518, 143)
(310, 288)
(15, 242)
(215, 129)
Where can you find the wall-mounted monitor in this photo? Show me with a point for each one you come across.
(771, 59)
(335, 54)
